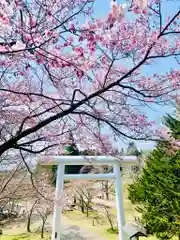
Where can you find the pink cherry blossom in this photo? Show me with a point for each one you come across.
(71, 27)
(3, 49)
(92, 79)
(136, 10)
(4, 20)
(32, 22)
(145, 11)
(140, 5)
(80, 74)
(79, 51)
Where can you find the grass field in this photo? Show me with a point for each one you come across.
(75, 218)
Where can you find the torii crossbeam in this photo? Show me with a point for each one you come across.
(61, 161)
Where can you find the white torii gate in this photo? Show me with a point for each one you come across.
(61, 161)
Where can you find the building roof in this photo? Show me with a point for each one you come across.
(134, 230)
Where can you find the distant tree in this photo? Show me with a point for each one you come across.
(53, 174)
(42, 199)
(88, 153)
(30, 209)
(11, 188)
(44, 208)
(122, 152)
(110, 217)
(105, 186)
(132, 150)
(174, 126)
(84, 194)
(157, 190)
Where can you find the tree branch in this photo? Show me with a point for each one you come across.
(12, 141)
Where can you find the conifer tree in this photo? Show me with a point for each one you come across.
(72, 150)
(157, 190)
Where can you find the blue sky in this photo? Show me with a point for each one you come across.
(103, 6)
(169, 7)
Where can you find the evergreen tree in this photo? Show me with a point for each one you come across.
(132, 150)
(173, 125)
(72, 150)
(157, 190)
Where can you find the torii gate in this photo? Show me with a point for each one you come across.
(61, 161)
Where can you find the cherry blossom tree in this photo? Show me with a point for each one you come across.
(29, 211)
(61, 72)
(10, 184)
(44, 209)
(40, 199)
(84, 192)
